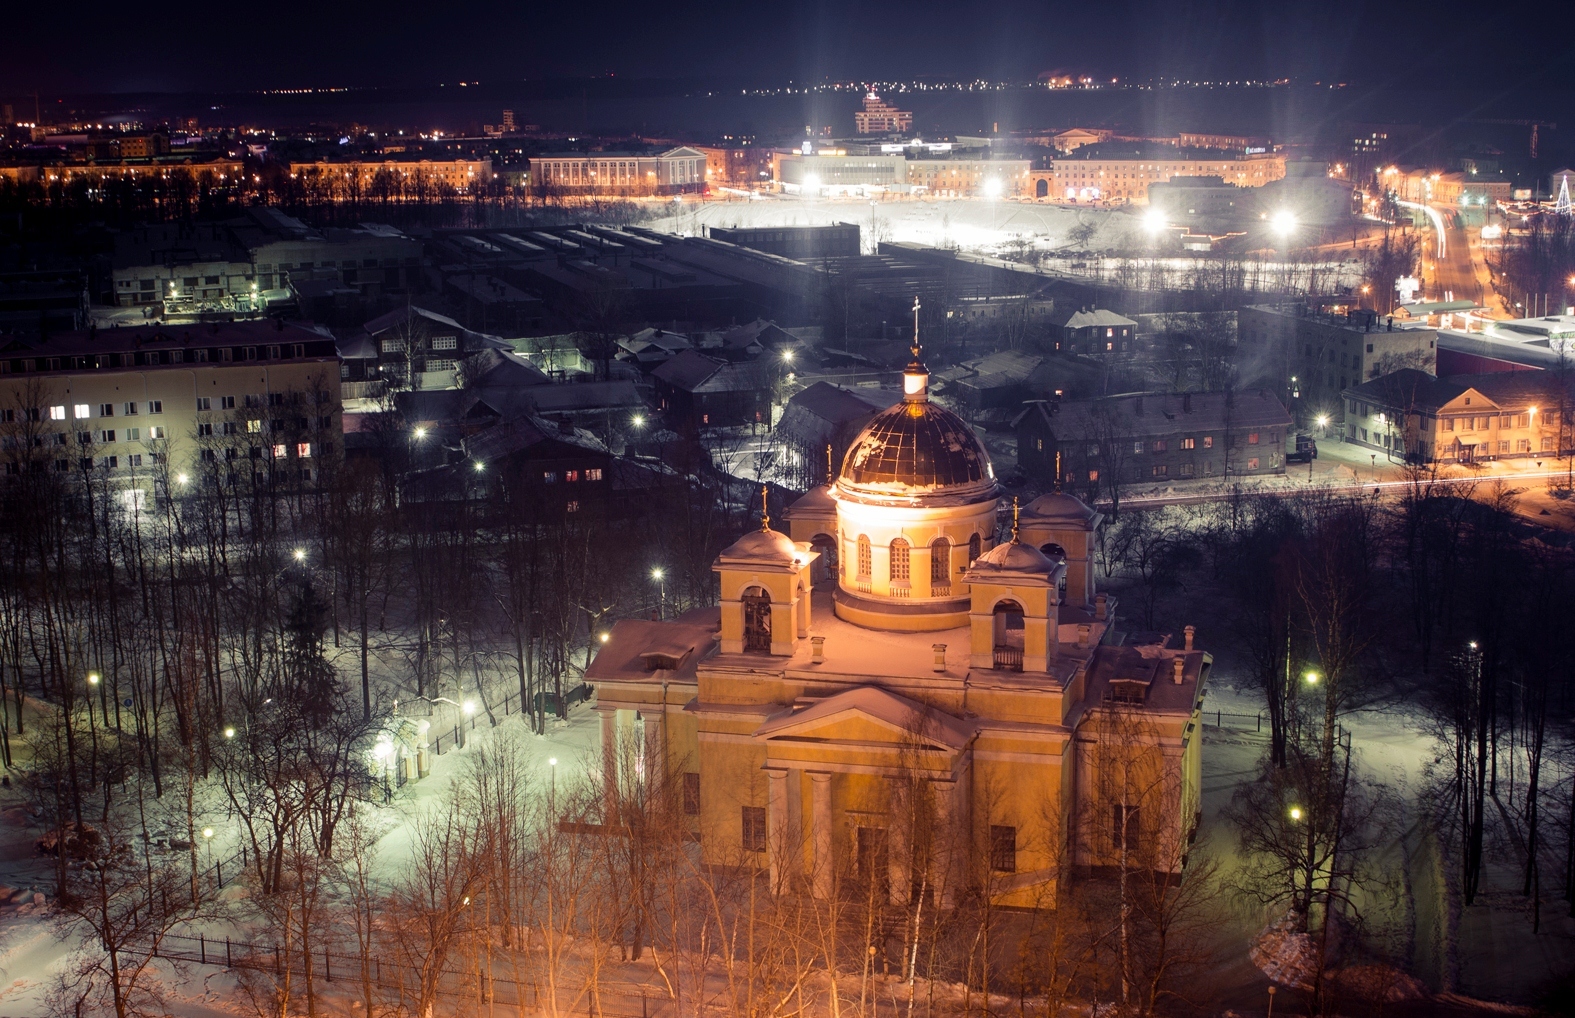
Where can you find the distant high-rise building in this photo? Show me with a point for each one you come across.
(880, 117)
(508, 122)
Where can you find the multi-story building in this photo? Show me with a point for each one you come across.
(1152, 437)
(880, 117)
(367, 175)
(1316, 356)
(156, 406)
(216, 172)
(673, 171)
(1077, 137)
(1121, 173)
(242, 259)
(952, 720)
(739, 165)
(1094, 331)
(1412, 415)
(1228, 142)
(964, 175)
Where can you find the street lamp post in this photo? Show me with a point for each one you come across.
(661, 587)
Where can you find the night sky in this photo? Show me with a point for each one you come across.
(97, 46)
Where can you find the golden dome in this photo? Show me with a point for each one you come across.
(917, 450)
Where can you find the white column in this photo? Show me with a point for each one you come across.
(898, 861)
(945, 844)
(609, 763)
(778, 848)
(655, 759)
(820, 817)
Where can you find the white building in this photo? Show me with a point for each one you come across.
(632, 173)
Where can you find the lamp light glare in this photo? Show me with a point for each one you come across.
(1154, 221)
(1284, 222)
(1296, 812)
(207, 832)
(300, 554)
(229, 732)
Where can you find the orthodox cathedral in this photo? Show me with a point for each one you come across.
(892, 697)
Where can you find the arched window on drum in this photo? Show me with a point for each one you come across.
(940, 567)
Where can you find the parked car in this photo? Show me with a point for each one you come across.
(1306, 450)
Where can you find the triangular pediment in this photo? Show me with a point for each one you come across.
(869, 714)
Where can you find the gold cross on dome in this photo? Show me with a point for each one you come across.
(765, 509)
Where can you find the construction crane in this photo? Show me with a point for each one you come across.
(1533, 124)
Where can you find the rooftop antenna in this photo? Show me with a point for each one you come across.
(765, 510)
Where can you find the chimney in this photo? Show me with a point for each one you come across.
(817, 649)
(1176, 666)
(1082, 634)
(940, 656)
(1190, 631)
(1101, 606)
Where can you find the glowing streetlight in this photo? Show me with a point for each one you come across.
(1284, 222)
(1312, 678)
(421, 433)
(92, 678)
(207, 832)
(182, 478)
(1323, 420)
(229, 732)
(1296, 812)
(992, 188)
(661, 596)
(603, 637)
(812, 181)
(656, 574)
(787, 356)
(638, 420)
(480, 466)
(469, 708)
(300, 554)
(1154, 221)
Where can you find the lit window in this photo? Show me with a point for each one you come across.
(155, 432)
(549, 477)
(57, 413)
(279, 451)
(254, 426)
(593, 474)
(571, 476)
(303, 450)
(80, 410)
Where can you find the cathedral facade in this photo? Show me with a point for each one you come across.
(892, 697)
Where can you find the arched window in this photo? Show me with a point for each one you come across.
(941, 564)
(973, 548)
(864, 557)
(757, 621)
(899, 561)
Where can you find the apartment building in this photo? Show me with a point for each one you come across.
(188, 405)
(1152, 437)
(1120, 173)
(673, 171)
(1317, 355)
(368, 174)
(1411, 415)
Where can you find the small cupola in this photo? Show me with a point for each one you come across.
(765, 586)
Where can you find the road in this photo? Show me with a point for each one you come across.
(1535, 504)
